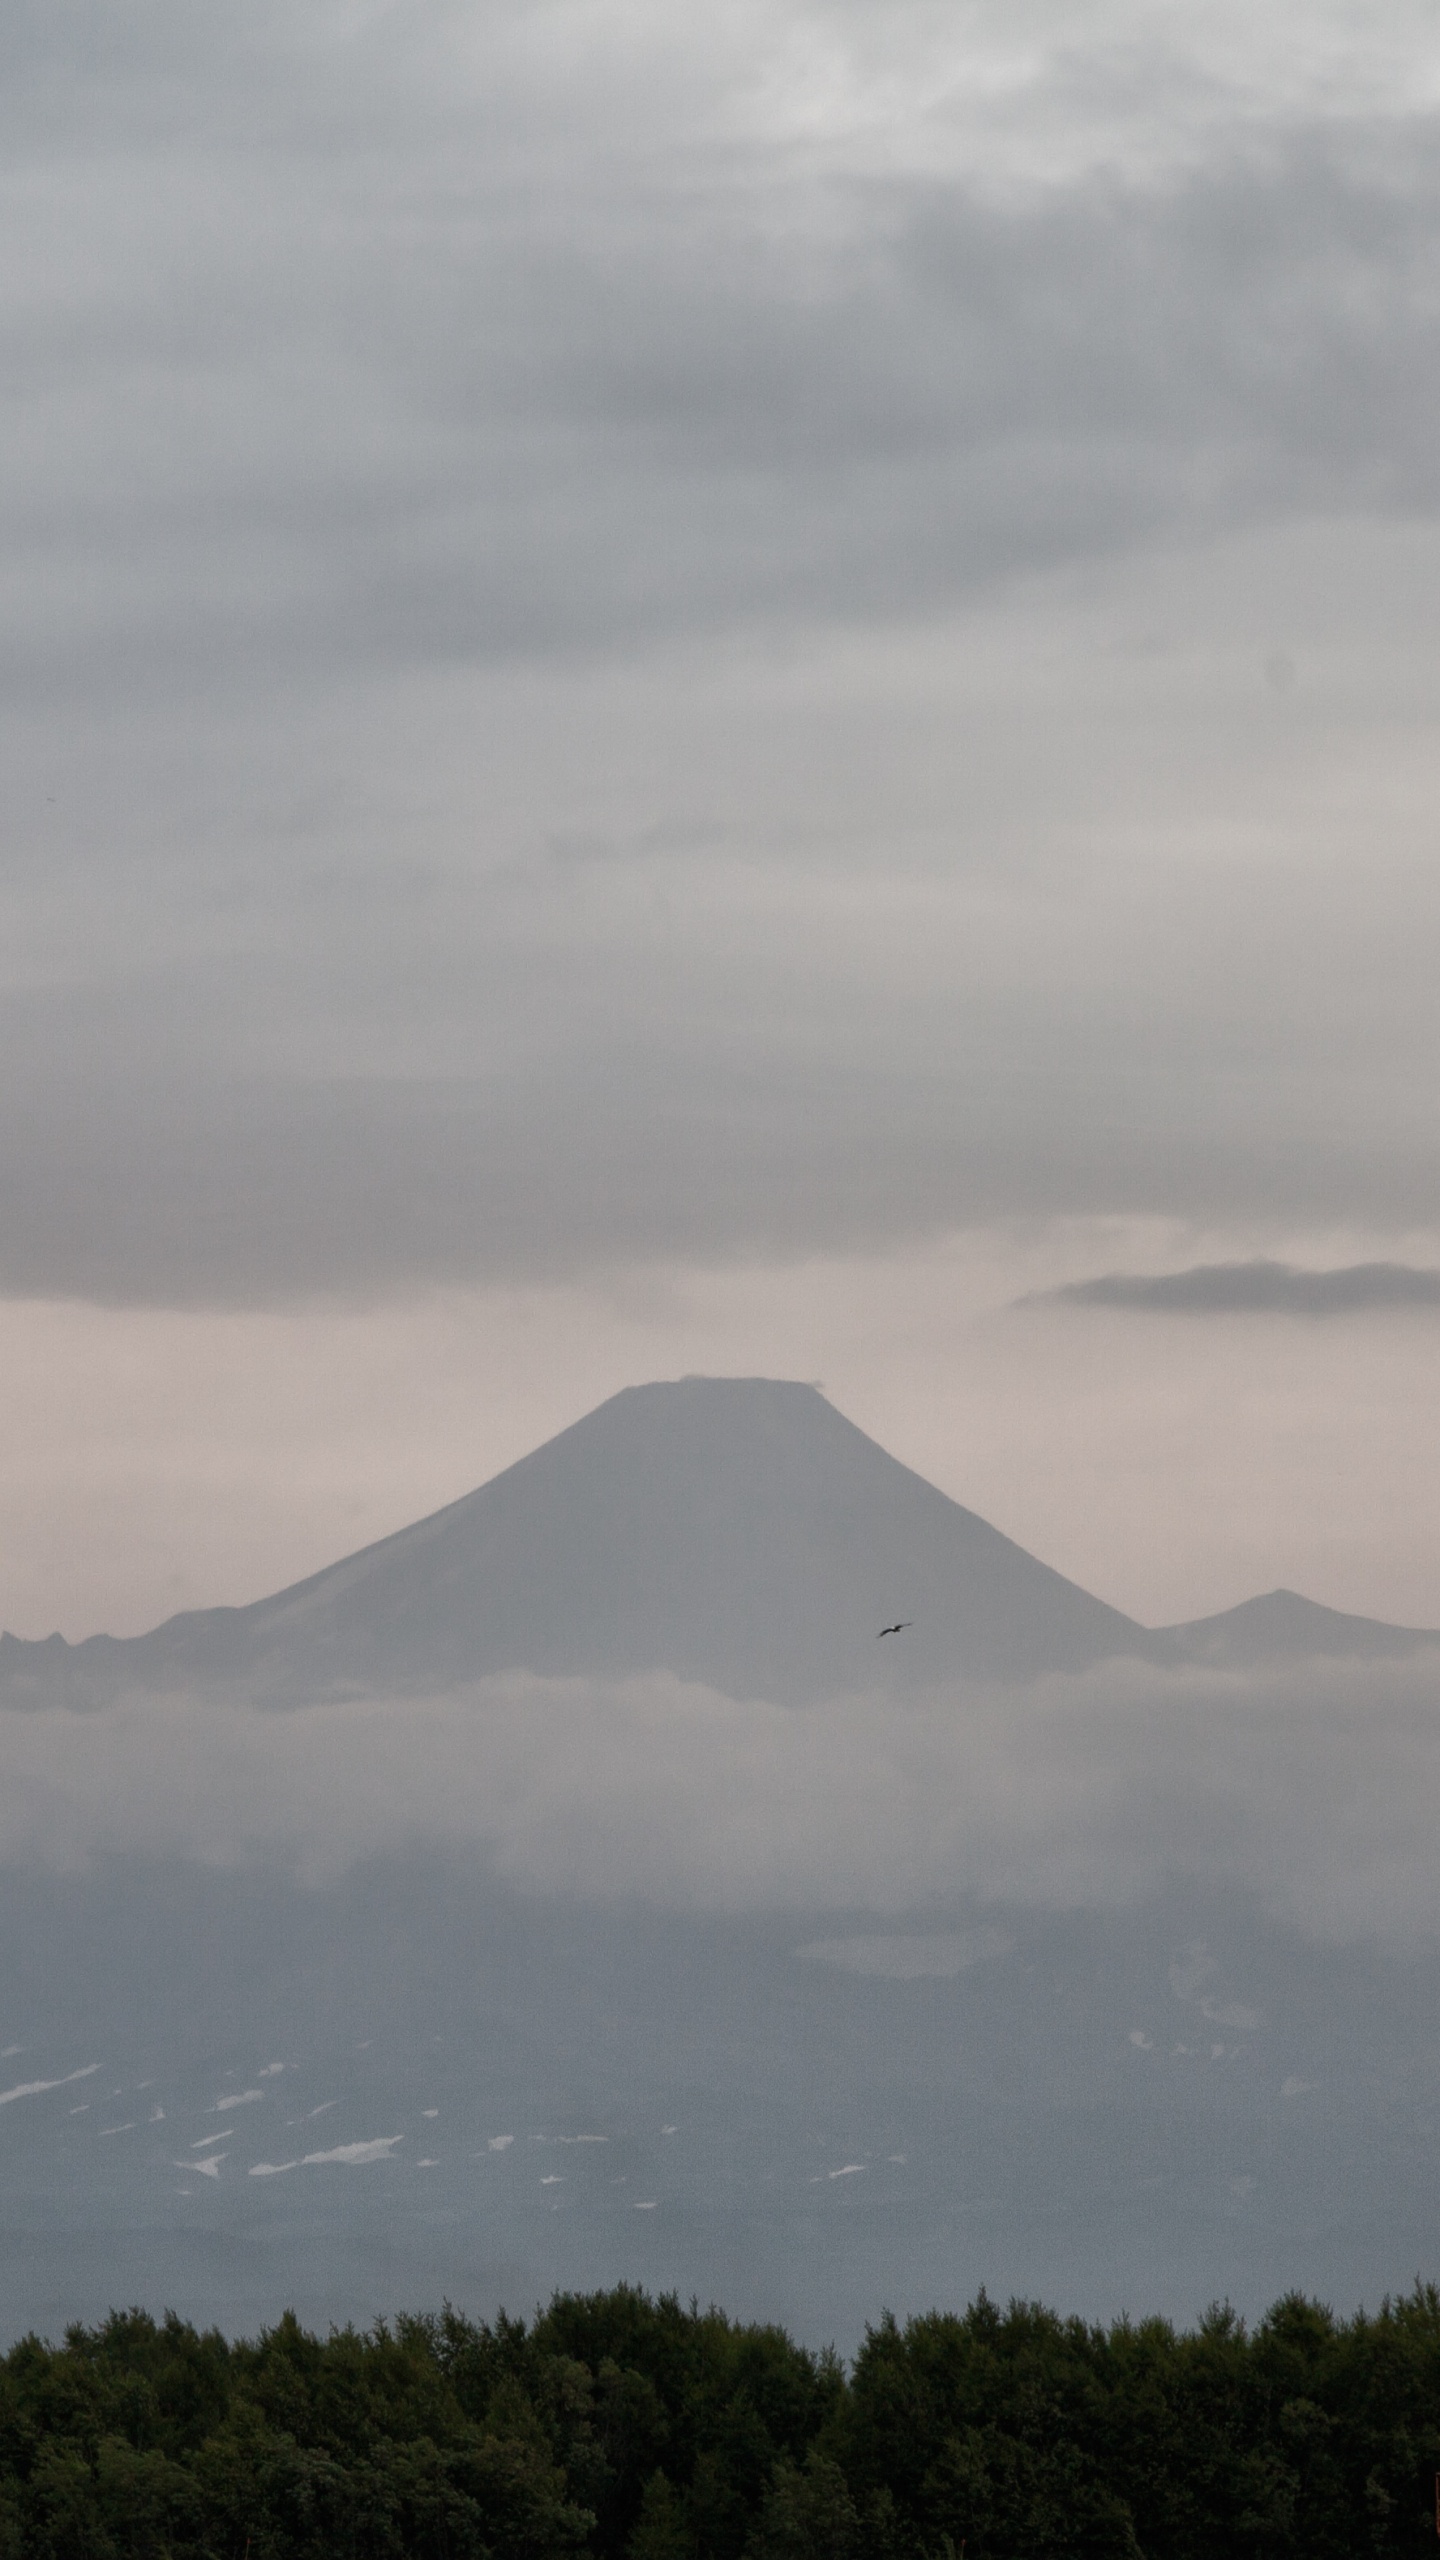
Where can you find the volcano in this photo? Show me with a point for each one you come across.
(737, 1532)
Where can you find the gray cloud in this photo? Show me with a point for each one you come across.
(390, 342)
(1311, 1789)
(376, 369)
(127, 1185)
(1256, 1288)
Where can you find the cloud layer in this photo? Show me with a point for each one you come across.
(1312, 1791)
(369, 337)
(643, 634)
(1258, 1288)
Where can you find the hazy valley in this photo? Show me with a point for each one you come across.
(575, 1886)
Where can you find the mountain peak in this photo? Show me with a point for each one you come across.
(1281, 1625)
(735, 1532)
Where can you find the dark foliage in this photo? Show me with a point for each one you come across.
(637, 2430)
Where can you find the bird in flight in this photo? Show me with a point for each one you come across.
(898, 1629)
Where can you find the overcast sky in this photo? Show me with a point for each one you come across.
(718, 687)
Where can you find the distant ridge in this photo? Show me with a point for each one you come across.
(737, 1532)
(1280, 1626)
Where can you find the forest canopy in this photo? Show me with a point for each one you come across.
(616, 2425)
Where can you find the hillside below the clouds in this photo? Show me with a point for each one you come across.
(739, 1533)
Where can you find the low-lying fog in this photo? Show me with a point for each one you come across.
(1312, 1790)
(1119, 1990)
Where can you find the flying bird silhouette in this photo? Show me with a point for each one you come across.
(898, 1629)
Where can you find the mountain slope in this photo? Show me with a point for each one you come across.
(734, 1531)
(737, 1532)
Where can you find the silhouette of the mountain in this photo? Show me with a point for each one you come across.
(734, 1531)
(738, 1532)
(1280, 1626)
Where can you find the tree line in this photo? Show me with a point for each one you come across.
(634, 2429)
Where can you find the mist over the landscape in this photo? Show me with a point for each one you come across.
(718, 932)
(710, 1818)
(1308, 1790)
